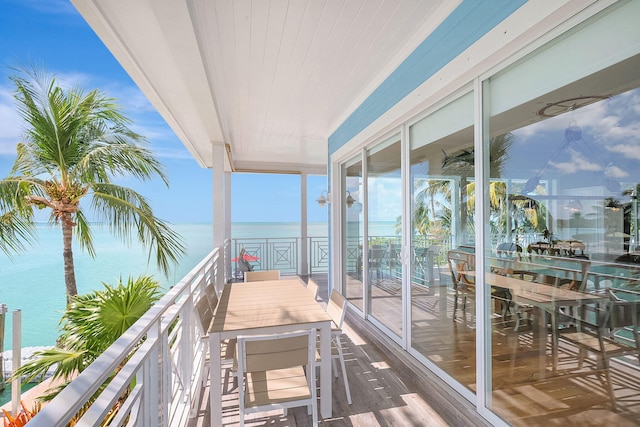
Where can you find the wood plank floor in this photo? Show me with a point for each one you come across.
(382, 395)
(526, 390)
(390, 388)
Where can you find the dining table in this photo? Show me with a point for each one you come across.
(267, 307)
(549, 299)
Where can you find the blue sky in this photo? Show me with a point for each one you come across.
(52, 34)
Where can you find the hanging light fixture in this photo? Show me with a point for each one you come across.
(350, 200)
(324, 198)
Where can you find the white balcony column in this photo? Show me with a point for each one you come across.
(219, 205)
(227, 227)
(304, 256)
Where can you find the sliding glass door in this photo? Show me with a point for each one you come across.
(384, 214)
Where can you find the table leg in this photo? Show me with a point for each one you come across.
(325, 370)
(215, 391)
(554, 339)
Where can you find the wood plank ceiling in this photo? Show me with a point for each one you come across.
(270, 78)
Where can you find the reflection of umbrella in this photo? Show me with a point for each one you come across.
(246, 257)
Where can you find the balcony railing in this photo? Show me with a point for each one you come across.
(153, 374)
(290, 255)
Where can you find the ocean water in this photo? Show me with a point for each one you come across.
(33, 282)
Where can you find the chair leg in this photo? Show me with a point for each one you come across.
(603, 364)
(455, 305)
(344, 370)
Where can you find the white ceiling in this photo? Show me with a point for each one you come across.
(271, 79)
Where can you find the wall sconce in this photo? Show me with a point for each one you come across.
(325, 198)
(350, 200)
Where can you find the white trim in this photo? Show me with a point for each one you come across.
(431, 22)
(532, 25)
(405, 243)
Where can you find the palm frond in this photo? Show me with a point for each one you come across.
(122, 305)
(124, 208)
(16, 232)
(83, 233)
(66, 362)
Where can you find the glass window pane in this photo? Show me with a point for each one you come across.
(353, 234)
(384, 202)
(564, 177)
(442, 186)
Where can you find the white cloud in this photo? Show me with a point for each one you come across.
(631, 151)
(54, 7)
(9, 123)
(615, 172)
(576, 163)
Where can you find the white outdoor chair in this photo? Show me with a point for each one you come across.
(258, 276)
(276, 371)
(205, 308)
(336, 309)
(313, 288)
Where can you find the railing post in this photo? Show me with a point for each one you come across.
(153, 382)
(165, 377)
(187, 342)
(17, 360)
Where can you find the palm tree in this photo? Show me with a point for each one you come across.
(74, 145)
(90, 324)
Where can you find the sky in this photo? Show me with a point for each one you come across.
(52, 34)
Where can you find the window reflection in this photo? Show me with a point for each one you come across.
(354, 234)
(562, 273)
(384, 280)
(443, 203)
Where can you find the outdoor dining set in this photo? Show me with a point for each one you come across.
(269, 335)
(588, 304)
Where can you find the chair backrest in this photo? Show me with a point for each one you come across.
(212, 296)
(313, 288)
(337, 308)
(507, 250)
(571, 273)
(257, 353)
(204, 314)
(625, 311)
(459, 262)
(256, 276)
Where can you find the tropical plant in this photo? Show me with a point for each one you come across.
(21, 418)
(89, 325)
(74, 144)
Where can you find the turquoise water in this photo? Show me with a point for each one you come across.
(33, 282)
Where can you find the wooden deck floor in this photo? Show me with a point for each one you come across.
(390, 388)
(383, 391)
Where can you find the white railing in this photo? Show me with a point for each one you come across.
(284, 254)
(153, 374)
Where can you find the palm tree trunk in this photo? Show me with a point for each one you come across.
(67, 255)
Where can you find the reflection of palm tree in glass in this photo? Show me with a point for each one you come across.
(462, 164)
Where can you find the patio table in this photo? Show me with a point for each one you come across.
(267, 307)
(546, 297)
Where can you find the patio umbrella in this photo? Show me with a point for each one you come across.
(246, 257)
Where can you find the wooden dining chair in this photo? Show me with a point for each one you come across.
(463, 286)
(258, 276)
(591, 334)
(204, 316)
(276, 371)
